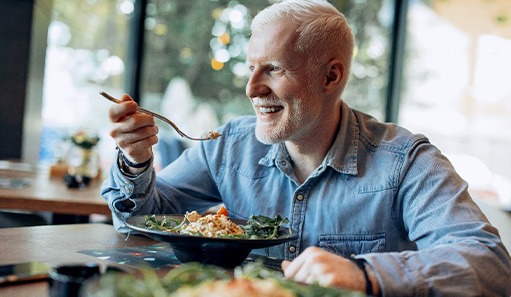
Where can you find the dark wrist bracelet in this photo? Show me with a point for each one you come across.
(361, 264)
(135, 165)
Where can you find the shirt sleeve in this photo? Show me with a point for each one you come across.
(186, 184)
(126, 194)
(459, 252)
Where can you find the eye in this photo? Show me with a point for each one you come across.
(275, 68)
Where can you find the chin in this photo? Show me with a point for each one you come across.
(267, 136)
(265, 140)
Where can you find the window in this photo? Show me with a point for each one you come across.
(456, 88)
(85, 54)
(193, 67)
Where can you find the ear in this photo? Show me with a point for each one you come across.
(334, 75)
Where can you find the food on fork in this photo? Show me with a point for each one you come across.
(211, 135)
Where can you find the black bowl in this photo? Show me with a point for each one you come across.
(225, 252)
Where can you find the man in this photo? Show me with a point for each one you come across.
(352, 187)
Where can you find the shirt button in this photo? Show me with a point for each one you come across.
(283, 163)
(292, 249)
(299, 197)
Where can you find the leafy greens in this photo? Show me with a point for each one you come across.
(262, 227)
(257, 227)
(116, 284)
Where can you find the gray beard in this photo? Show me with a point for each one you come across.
(265, 138)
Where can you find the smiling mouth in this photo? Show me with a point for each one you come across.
(267, 106)
(269, 109)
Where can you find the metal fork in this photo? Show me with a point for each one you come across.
(206, 136)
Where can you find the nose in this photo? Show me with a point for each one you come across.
(256, 85)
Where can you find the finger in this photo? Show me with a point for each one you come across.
(137, 143)
(135, 136)
(285, 264)
(118, 112)
(126, 97)
(293, 267)
(141, 150)
(135, 121)
(133, 128)
(126, 138)
(301, 268)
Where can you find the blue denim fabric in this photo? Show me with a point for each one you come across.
(381, 193)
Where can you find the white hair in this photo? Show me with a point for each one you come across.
(324, 32)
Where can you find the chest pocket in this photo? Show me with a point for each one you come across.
(352, 244)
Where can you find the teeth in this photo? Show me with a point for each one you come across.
(268, 109)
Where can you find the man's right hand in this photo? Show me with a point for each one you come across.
(134, 132)
(316, 265)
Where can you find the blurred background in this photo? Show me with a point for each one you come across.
(437, 67)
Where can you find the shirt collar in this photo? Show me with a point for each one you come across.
(273, 154)
(342, 156)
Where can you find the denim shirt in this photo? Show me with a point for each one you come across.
(381, 193)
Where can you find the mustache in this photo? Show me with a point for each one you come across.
(266, 101)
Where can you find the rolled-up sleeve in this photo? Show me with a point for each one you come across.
(120, 190)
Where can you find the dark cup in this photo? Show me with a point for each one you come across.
(66, 280)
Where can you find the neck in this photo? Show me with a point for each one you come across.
(308, 153)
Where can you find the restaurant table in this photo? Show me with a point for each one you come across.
(37, 191)
(59, 244)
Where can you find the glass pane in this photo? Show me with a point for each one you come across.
(85, 54)
(457, 89)
(371, 21)
(194, 71)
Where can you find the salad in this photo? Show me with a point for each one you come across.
(219, 225)
(194, 279)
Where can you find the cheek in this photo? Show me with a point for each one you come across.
(298, 114)
(305, 102)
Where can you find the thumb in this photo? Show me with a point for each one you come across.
(285, 264)
(126, 97)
